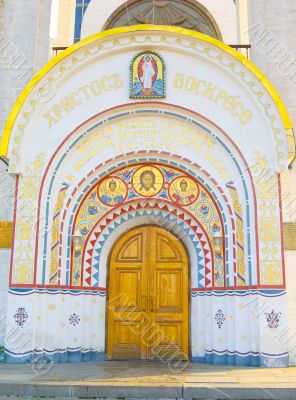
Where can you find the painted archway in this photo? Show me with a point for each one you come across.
(215, 137)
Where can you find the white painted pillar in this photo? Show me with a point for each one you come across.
(24, 44)
(272, 36)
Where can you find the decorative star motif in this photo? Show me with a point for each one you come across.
(74, 319)
(219, 318)
(21, 316)
(273, 319)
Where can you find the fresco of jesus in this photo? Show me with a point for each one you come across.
(148, 73)
(147, 76)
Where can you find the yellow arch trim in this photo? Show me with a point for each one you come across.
(116, 31)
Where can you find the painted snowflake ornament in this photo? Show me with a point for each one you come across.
(219, 318)
(273, 319)
(21, 317)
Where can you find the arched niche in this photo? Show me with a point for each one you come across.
(184, 14)
(223, 16)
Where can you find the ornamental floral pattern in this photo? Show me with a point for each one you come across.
(147, 181)
(273, 319)
(20, 317)
(219, 318)
(74, 319)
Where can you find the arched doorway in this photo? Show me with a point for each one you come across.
(147, 309)
(199, 133)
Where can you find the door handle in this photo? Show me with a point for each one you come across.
(151, 303)
(144, 302)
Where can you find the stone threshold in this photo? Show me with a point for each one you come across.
(114, 390)
(146, 380)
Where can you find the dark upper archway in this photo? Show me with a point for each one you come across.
(183, 13)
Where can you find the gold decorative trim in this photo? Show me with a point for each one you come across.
(289, 235)
(142, 28)
(5, 235)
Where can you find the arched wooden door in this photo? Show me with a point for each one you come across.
(148, 297)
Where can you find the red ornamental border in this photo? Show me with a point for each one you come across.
(188, 219)
(145, 152)
(178, 206)
(154, 103)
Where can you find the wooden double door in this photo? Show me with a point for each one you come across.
(147, 306)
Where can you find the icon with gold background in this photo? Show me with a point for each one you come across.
(148, 181)
(183, 191)
(147, 76)
(112, 191)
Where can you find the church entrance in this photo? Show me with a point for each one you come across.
(148, 297)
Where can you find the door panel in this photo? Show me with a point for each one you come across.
(148, 297)
(127, 287)
(169, 275)
(132, 250)
(165, 250)
(126, 280)
(127, 340)
(169, 300)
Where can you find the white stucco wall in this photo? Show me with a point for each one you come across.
(6, 210)
(62, 23)
(291, 296)
(224, 12)
(4, 277)
(272, 36)
(6, 194)
(24, 38)
(23, 47)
